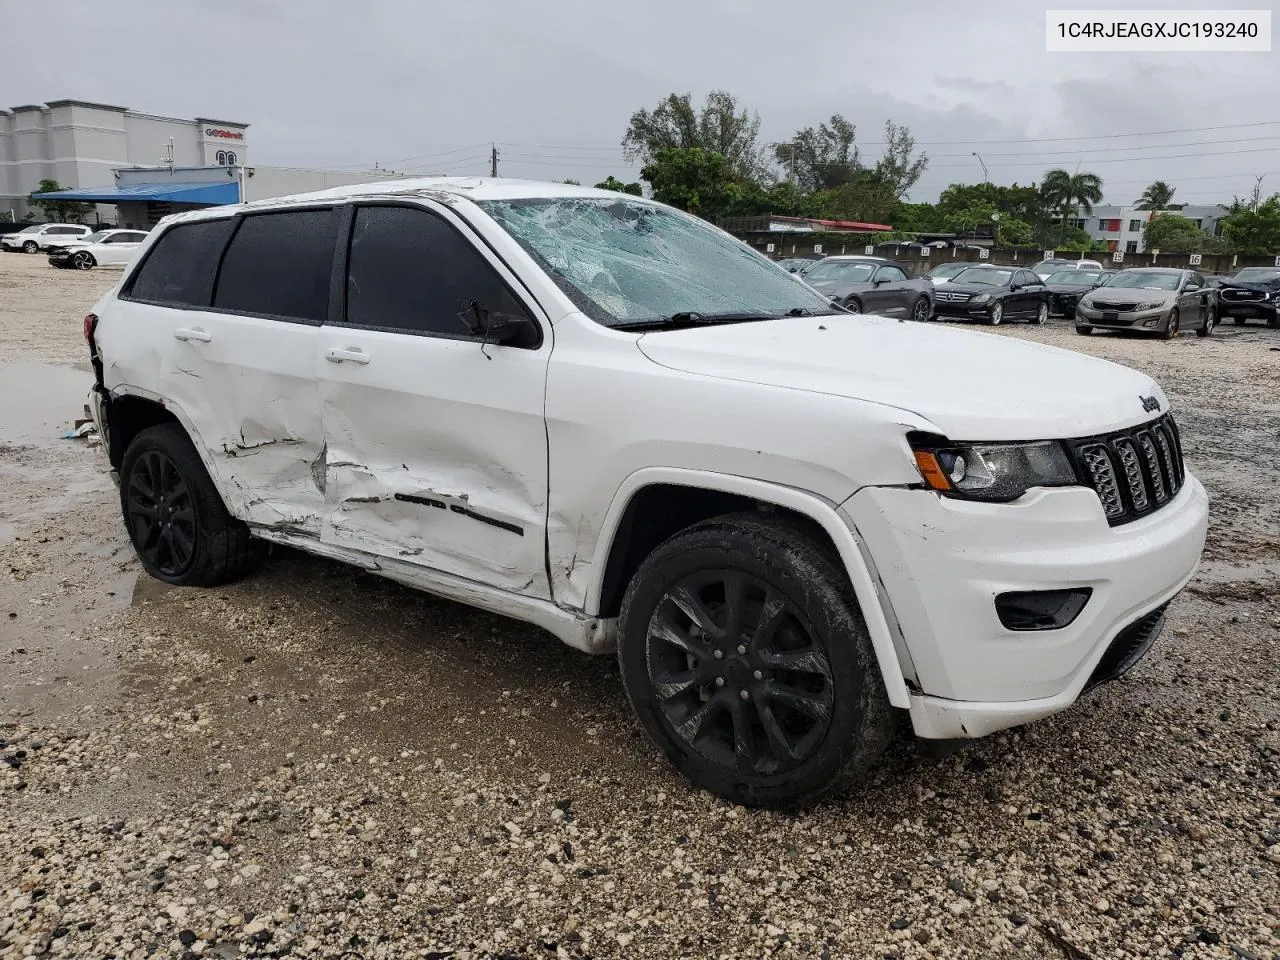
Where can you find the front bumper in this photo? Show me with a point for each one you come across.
(1248, 309)
(962, 311)
(1139, 321)
(943, 561)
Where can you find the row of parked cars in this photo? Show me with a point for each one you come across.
(75, 246)
(1157, 300)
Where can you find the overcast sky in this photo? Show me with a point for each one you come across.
(425, 85)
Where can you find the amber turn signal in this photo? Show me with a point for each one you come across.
(931, 470)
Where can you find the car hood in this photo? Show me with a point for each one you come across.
(1258, 286)
(835, 287)
(1105, 295)
(975, 288)
(969, 385)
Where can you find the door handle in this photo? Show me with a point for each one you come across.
(352, 354)
(192, 333)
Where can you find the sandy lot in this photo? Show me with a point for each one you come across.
(317, 763)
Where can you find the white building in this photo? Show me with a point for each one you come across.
(1122, 226)
(79, 144)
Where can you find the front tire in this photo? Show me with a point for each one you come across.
(997, 315)
(853, 305)
(83, 261)
(179, 526)
(1171, 329)
(31, 247)
(920, 310)
(746, 659)
(1209, 322)
(1083, 331)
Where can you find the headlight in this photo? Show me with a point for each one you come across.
(991, 471)
(1087, 303)
(1153, 305)
(981, 298)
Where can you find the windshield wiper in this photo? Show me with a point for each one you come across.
(691, 318)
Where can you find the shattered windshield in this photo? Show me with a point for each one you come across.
(625, 262)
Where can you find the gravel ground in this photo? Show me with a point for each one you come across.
(317, 763)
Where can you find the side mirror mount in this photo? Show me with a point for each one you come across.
(497, 328)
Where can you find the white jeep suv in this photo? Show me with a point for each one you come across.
(595, 413)
(36, 238)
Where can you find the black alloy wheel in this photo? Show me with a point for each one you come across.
(745, 657)
(160, 514)
(738, 673)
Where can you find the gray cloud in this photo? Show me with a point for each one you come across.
(428, 85)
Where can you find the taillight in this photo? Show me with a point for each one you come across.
(90, 324)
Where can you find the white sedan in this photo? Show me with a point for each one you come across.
(105, 248)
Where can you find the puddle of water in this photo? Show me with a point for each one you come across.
(39, 401)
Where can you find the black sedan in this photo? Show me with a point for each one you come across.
(1066, 287)
(993, 295)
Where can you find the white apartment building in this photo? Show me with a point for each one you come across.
(1122, 226)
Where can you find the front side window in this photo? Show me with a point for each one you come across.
(178, 270)
(891, 274)
(1027, 278)
(626, 262)
(279, 265)
(410, 270)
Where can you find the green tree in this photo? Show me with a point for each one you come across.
(572, 182)
(719, 127)
(1012, 232)
(1254, 228)
(822, 157)
(1174, 234)
(1068, 192)
(865, 197)
(916, 218)
(899, 167)
(1156, 197)
(613, 183)
(63, 211)
(691, 179)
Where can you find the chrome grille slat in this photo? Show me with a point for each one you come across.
(1134, 472)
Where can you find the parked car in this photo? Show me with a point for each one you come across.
(1253, 292)
(106, 248)
(1045, 268)
(872, 285)
(35, 239)
(946, 272)
(1066, 287)
(993, 295)
(1155, 300)
(759, 503)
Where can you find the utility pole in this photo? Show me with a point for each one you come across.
(493, 161)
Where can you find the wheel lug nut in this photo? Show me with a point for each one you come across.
(719, 654)
(719, 681)
(744, 694)
(759, 674)
(741, 649)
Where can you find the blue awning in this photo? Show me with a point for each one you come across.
(207, 194)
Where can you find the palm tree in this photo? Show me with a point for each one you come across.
(1156, 197)
(1070, 191)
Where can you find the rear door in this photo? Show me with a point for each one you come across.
(235, 306)
(436, 443)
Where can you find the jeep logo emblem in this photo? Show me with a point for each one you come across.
(1149, 404)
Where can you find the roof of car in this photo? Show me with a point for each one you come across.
(471, 188)
(858, 257)
(1155, 269)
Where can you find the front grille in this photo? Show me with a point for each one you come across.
(1134, 472)
(1235, 295)
(1117, 307)
(950, 296)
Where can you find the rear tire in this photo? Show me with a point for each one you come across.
(1042, 315)
(176, 519)
(746, 659)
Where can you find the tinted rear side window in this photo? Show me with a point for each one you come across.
(179, 269)
(279, 264)
(409, 270)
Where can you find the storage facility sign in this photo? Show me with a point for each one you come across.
(219, 133)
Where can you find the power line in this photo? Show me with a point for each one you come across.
(1168, 156)
(1149, 146)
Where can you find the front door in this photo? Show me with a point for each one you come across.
(436, 447)
(890, 291)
